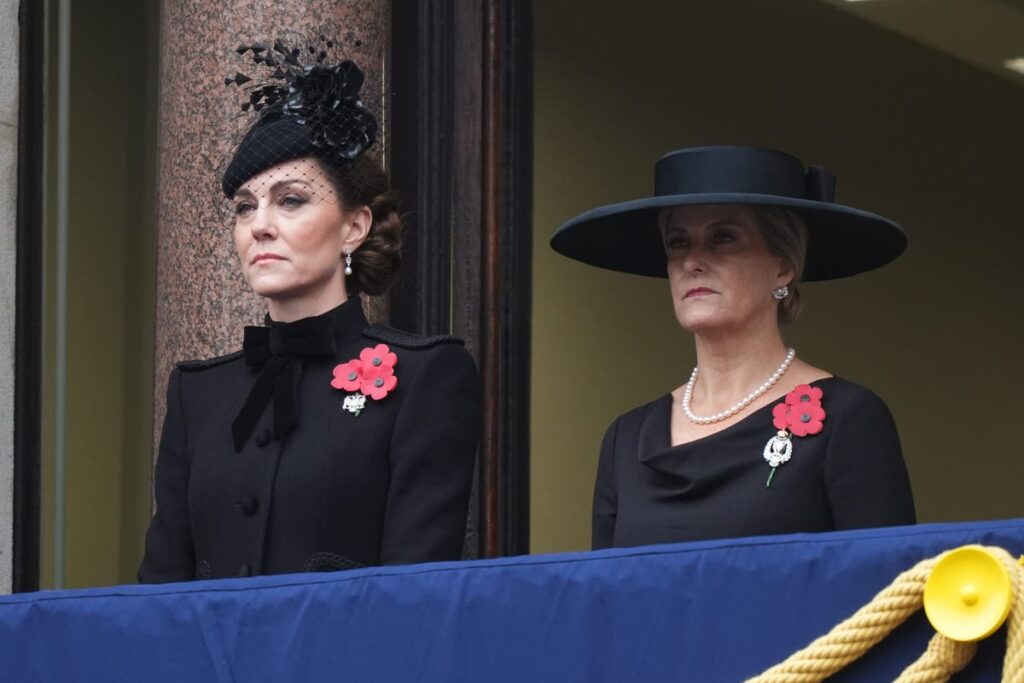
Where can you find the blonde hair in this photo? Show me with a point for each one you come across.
(785, 233)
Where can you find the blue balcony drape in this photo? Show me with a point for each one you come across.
(708, 611)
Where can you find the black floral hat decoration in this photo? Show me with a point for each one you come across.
(309, 107)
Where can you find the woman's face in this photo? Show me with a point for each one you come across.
(291, 232)
(720, 269)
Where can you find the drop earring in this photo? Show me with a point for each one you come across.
(348, 262)
(780, 293)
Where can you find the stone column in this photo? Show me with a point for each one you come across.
(8, 228)
(202, 300)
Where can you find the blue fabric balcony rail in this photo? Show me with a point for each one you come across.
(710, 611)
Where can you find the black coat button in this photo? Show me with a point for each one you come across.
(249, 505)
(263, 438)
(245, 570)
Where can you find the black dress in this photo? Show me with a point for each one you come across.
(849, 475)
(389, 485)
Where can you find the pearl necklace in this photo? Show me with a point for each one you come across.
(743, 403)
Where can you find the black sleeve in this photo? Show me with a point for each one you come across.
(433, 453)
(170, 555)
(865, 475)
(605, 494)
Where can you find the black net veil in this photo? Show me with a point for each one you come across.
(301, 129)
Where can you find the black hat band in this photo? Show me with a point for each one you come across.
(747, 171)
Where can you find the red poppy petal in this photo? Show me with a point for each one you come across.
(346, 385)
(814, 427)
(800, 415)
(798, 428)
(370, 387)
(380, 371)
(780, 413)
(378, 358)
(804, 393)
(343, 376)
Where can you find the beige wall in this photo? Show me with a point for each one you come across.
(910, 133)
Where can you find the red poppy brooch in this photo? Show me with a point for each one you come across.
(371, 375)
(800, 414)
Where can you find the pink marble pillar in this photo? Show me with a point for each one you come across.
(201, 298)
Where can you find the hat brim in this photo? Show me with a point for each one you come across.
(624, 237)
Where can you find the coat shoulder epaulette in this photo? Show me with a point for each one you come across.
(408, 340)
(193, 365)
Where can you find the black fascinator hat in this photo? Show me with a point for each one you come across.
(309, 108)
(841, 240)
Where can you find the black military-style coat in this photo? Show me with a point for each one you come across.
(390, 485)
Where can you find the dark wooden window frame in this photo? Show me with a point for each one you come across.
(461, 154)
(28, 300)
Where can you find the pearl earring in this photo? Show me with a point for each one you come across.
(780, 293)
(348, 262)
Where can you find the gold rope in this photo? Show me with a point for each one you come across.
(944, 657)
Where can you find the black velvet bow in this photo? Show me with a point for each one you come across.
(278, 350)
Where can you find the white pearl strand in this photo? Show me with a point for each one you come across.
(743, 403)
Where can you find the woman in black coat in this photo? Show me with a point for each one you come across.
(758, 441)
(325, 443)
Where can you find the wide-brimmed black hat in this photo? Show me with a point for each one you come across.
(842, 241)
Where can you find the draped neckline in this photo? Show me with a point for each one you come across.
(655, 447)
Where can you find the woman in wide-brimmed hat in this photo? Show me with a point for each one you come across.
(758, 441)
